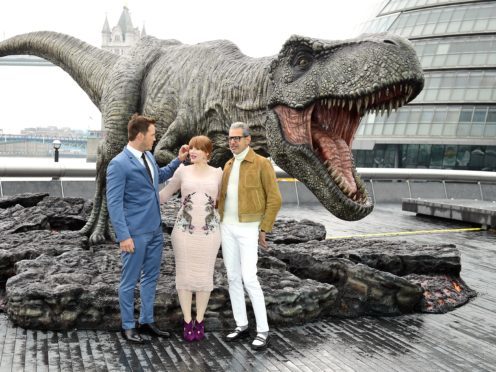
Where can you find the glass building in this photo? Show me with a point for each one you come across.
(451, 124)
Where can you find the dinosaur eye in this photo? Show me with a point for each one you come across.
(302, 61)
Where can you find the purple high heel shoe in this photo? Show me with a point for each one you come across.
(199, 330)
(188, 331)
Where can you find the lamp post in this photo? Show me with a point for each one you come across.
(56, 145)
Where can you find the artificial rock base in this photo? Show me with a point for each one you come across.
(56, 281)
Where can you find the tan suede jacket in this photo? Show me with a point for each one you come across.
(259, 198)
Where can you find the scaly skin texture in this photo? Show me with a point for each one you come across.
(303, 106)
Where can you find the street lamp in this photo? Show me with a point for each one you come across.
(56, 145)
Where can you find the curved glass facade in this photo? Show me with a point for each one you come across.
(473, 51)
(401, 5)
(452, 122)
(461, 122)
(436, 156)
(446, 20)
(458, 86)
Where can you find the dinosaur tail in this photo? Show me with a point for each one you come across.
(87, 65)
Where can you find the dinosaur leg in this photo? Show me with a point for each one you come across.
(221, 153)
(168, 145)
(97, 226)
(120, 100)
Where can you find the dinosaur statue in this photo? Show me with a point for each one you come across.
(303, 106)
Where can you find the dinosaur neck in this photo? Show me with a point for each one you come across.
(86, 64)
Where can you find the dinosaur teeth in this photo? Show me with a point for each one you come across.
(408, 92)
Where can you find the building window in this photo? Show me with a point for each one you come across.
(451, 20)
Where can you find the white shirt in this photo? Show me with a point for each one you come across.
(231, 203)
(138, 154)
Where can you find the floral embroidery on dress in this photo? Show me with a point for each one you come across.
(184, 218)
(211, 219)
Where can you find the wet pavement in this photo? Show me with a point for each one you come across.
(462, 340)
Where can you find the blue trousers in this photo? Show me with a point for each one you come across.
(143, 265)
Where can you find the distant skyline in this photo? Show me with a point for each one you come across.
(258, 27)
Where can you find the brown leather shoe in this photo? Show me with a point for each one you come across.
(132, 335)
(152, 329)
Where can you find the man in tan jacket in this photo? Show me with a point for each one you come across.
(248, 205)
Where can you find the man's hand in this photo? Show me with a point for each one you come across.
(127, 245)
(261, 240)
(183, 152)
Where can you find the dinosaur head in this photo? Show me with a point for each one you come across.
(320, 91)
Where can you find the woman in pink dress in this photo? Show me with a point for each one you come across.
(196, 235)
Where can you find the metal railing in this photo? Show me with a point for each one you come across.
(89, 170)
(374, 177)
(47, 170)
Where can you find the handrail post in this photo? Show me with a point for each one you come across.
(373, 192)
(62, 187)
(296, 192)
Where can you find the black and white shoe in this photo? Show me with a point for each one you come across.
(260, 342)
(237, 334)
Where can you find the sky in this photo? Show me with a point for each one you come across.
(42, 96)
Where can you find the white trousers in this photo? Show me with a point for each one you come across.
(240, 253)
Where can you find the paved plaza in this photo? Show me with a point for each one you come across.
(461, 340)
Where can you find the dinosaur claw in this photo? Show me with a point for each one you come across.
(96, 238)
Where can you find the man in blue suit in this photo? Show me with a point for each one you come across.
(133, 203)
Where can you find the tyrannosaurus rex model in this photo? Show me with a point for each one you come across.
(303, 106)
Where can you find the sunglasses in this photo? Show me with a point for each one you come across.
(235, 138)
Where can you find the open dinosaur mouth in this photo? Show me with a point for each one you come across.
(329, 125)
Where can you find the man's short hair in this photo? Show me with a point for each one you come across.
(244, 126)
(138, 124)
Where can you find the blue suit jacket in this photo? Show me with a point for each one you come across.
(132, 199)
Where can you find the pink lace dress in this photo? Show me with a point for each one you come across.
(196, 234)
